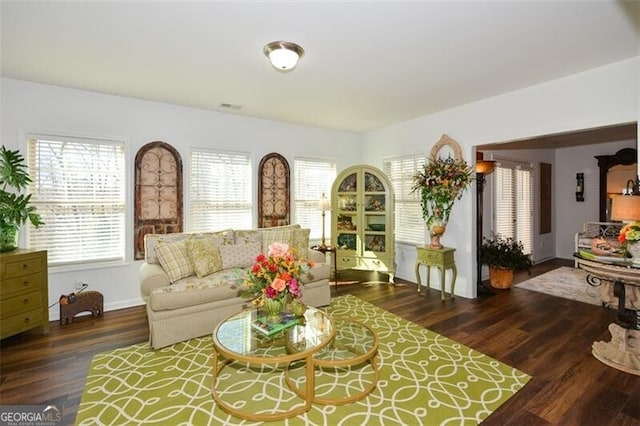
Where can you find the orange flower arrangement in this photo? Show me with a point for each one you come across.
(630, 233)
(276, 274)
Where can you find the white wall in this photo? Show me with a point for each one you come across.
(603, 96)
(607, 95)
(29, 107)
(570, 214)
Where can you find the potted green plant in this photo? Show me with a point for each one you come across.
(504, 256)
(15, 208)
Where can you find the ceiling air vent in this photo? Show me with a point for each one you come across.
(230, 106)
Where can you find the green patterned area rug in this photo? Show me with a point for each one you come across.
(425, 378)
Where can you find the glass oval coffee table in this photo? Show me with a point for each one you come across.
(236, 340)
(316, 342)
(348, 367)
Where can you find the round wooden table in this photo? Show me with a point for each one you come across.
(620, 286)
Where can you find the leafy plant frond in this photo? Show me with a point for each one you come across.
(15, 208)
(13, 171)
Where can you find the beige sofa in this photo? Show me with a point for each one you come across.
(192, 281)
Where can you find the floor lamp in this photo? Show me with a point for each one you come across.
(483, 168)
(324, 206)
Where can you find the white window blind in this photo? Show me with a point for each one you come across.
(219, 191)
(79, 190)
(313, 177)
(410, 226)
(512, 203)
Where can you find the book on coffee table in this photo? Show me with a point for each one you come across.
(261, 325)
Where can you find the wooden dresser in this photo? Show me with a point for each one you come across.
(24, 292)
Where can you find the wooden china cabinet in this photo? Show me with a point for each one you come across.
(362, 225)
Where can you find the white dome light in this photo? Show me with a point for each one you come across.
(283, 55)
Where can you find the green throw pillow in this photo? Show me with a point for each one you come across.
(204, 255)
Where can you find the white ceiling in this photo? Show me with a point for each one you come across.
(367, 64)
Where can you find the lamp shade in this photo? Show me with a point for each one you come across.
(485, 166)
(283, 55)
(324, 203)
(625, 208)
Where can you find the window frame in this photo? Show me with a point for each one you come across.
(316, 229)
(518, 218)
(248, 203)
(405, 197)
(127, 210)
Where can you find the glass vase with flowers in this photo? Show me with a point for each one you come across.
(274, 280)
(441, 182)
(629, 238)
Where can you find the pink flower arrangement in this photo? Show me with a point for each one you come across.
(276, 274)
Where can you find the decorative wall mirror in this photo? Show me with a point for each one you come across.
(273, 191)
(445, 148)
(612, 170)
(158, 193)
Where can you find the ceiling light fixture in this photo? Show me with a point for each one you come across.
(284, 55)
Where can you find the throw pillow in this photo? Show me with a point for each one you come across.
(174, 259)
(300, 243)
(277, 234)
(151, 242)
(239, 255)
(248, 236)
(204, 256)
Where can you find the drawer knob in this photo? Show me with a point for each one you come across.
(25, 301)
(25, 266)
(25, 283)
(27, 320)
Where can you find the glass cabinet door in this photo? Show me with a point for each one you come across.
(347, 219)
(375, 208)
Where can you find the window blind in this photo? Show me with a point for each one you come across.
(512, 202)
(409, 225)
(313, 177)
(219, 191)
(78, 188)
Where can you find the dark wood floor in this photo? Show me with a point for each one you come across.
(547, 337)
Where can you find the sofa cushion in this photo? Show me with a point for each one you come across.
(239, 255)
(174, 259)
(221, 285)
(204, 256)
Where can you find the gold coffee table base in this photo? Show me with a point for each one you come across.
(359, 356)
(229, 409)
(312, 344)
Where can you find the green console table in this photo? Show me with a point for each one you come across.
(442, 259)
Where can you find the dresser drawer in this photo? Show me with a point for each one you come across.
(23, 265)
(434, 256)
(21, 322)
(347, 262)
(375, 264)
(12, 306)
(20, 285)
